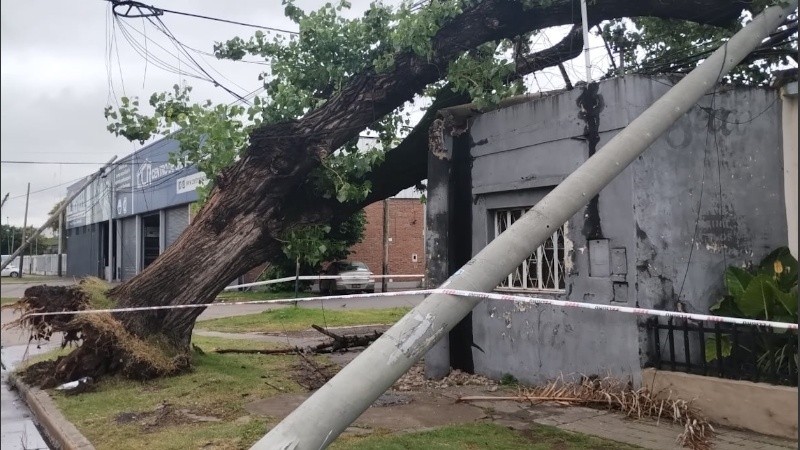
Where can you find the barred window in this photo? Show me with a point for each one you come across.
(544, 270)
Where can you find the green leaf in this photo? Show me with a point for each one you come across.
(788, 302)
(758, 299)
(711, 347)
(736, 280)
(726, 307)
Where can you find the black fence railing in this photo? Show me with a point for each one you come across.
(747, 352)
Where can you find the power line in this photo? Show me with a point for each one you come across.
(52, 162)
(148, 11)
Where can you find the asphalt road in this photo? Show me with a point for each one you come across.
(15, 289)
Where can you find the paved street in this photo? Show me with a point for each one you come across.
(15, 289)
(18, 430)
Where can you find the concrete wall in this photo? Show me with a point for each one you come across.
(760, 407)
(44, 264)
(789, 103)
(707, 195)
(639, 232)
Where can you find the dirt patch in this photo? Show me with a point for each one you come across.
(390, 398)
(164, 415)
(311, 374)
(412, 411)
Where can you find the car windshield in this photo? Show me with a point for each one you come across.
(351, 265)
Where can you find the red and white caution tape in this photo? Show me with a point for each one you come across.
(621, 309)
(458, 293)
(317, 278)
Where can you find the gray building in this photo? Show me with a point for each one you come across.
(708, 194)
(123, 220)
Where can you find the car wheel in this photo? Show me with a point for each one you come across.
(14, 274)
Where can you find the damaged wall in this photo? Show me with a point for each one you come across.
(632, 244)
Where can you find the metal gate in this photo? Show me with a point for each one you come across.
(177, 219)
(128, 247)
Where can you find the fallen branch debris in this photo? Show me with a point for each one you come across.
(634, 403)
(340, 343)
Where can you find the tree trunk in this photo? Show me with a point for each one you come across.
(264, 193)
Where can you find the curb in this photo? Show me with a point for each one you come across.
(60, 432)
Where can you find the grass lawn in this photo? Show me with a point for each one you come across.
(234, 296)
(480, 436)
(217, 389)
(299, 318)
(7, 300)
(128, 414)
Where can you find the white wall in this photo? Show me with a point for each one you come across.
(789, 113)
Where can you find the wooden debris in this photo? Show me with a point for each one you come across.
(613, 393)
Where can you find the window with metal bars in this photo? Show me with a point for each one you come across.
(545, 269)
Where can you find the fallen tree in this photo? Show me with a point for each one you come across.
(264, 194)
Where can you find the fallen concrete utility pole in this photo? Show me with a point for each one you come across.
(56, 214)
(324, 415)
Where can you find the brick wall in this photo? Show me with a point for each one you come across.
(406, 234)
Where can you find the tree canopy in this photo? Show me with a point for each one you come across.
(330, 54)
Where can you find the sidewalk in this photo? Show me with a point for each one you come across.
(18, 430)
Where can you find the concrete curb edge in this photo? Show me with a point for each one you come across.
(59, 430)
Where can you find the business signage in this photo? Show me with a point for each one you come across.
(143, 182)
(148, 181)
(92, 205)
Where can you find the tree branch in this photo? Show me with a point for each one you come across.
(407, 164)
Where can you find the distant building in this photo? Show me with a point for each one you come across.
(121, 223)
(406, 238)
(125, 219)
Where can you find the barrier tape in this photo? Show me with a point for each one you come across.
(313, 278)
(458, 293)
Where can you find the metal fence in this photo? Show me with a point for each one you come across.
(749, 353)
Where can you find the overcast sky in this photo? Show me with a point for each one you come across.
(55, 83)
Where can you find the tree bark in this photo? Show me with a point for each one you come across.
(264, 194)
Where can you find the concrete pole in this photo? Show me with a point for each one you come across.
(56, 214)
(324, 415)
(587, 60)
(24, 229)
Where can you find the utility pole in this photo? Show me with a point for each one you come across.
(385, 265)
(11, 246)
(56, 214)
(4, 201)
(587, 60)
(333, 407)
(60, 242)
(24, 229)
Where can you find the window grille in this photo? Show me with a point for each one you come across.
(545, 269)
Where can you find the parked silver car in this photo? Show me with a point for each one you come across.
(11, 271)
(355, 277)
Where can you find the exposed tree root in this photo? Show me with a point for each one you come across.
(104, 346)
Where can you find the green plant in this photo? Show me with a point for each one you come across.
(768, 292)
(509, 380)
